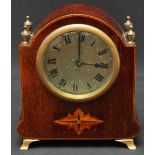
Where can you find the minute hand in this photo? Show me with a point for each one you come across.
(79, 47)
(100, 65)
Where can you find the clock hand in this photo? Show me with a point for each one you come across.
(78, 63)
(100, 65)
(79, 47)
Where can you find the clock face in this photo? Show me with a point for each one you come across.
(77, 62)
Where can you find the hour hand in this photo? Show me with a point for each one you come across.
(101, 65)
(97, 65)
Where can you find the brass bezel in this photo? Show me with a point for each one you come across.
(73, 97)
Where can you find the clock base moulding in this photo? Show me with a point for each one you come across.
(128, 142)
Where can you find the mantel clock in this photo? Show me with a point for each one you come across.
(78, 78)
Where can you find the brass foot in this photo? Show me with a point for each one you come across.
(128, 142)
(26, 143)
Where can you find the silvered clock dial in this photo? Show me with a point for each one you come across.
(78, 62)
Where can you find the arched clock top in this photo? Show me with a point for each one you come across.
(84, 14)
(81, 9)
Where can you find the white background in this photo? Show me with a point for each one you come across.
(5, 77)
(149, 74)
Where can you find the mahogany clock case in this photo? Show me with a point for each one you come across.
(88, 110)
(44, 115)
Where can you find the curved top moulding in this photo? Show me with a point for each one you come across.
(80, 13)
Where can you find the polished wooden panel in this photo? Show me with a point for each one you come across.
(40, 108)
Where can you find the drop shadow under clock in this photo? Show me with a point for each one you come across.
(78, 143)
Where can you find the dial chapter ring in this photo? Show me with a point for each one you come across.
(74, 97)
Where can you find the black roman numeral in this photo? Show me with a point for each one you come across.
(103, 51)
(93, 43)
(53, 72)
(99, 77)
(62, 82)
(52, 61)
(82, 38)
(56, 48)
(89, 86)
(67, 39)
(75, 87)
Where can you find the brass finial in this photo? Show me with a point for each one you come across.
(128, 23)
(25, 36)
(28, 23)
(130, 36)
(129, 33)
(26, 33)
